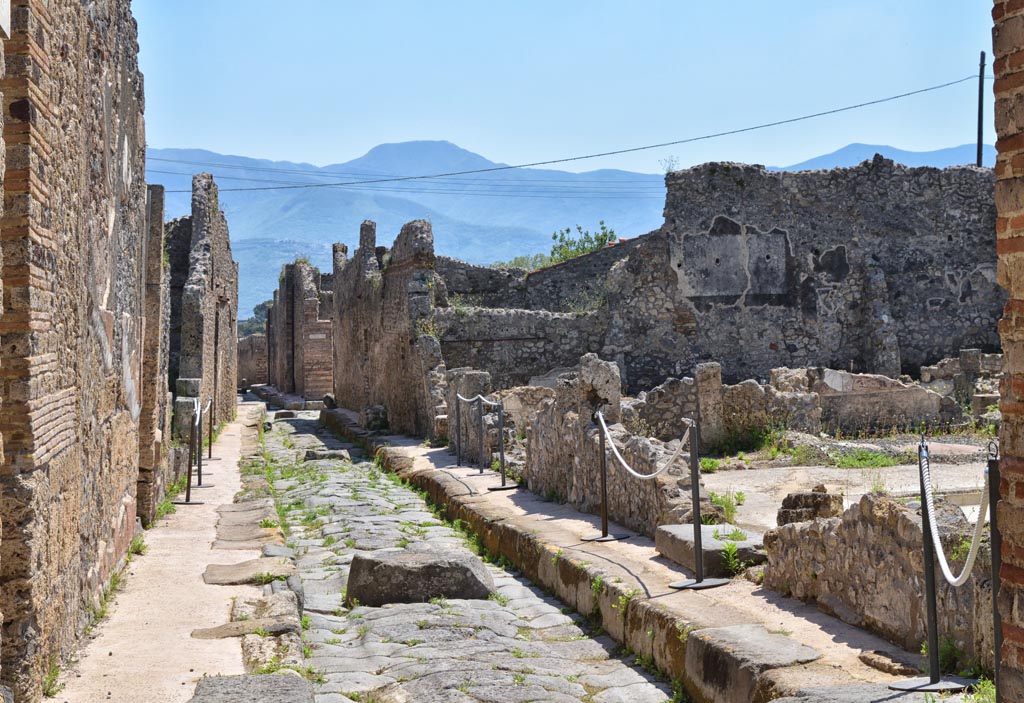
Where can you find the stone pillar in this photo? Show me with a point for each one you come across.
(1008, 45)
(708, 378)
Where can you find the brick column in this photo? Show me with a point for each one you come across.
(1008, 45)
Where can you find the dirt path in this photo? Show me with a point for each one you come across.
(143, 650)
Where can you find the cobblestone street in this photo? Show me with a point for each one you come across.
(519, 645)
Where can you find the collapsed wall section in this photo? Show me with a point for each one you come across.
(206, 344)
(74, 324)
(386, 352)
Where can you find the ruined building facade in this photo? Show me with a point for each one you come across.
(878, 268)
(299, 338)
(204, 311)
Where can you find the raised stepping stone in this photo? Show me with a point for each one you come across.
(675, 542)
(725, 662)
(405, 577)
(246, 689)
(315, 454)
(284, 414)
(248, 571)
(273, 626)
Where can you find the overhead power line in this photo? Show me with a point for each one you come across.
(615, 152)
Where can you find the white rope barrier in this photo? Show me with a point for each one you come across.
(643, 477)
(492, 403)
(979, 527)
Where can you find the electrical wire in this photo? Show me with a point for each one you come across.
(615, 152)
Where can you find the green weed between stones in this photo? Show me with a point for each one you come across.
(50, 686)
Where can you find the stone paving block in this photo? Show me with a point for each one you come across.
(247, 689)
(868, 693)
(238, 628)
(675, 542)
(248, 571)
(724, 662)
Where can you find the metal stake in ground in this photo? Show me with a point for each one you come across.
(997, 545)
(191, 454)
(501, 452)
(605, 536)
(458, 430)
(199, 445)
(935, 682)
(480, 411)
(699, 583)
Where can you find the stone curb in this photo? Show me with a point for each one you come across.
(648, 628)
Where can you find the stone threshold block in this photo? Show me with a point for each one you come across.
(246, 689)
(248, 571)
(675, 542)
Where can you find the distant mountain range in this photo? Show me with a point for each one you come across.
(481, 217)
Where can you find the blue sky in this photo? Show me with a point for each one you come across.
(323, 81)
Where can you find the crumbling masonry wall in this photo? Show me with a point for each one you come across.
(1008, 47)
(76, 316)
(205, 345)
(385, 349)
(299, 332)
(156, 470)
(252, 360)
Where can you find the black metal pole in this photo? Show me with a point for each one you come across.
(981, 105)
(458, 430)
(501, 441)
(210, 455)
(191, 450)
(698, 538)
(996, 543)
(698, 583)
(199, 448)
(604, 484)
(929, 575)
(480, 411)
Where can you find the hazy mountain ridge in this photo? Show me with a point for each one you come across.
(481, 217)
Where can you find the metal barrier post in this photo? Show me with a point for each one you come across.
(210, 407)
(458, 430)
(935, 682)
(191, 451)
(199, 450)
(501, 452)
(699, 583)
(996, 543)
(605, 536)
(480, 412)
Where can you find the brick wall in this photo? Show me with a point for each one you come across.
(72, 330)
(301, 356)
(1008, 45)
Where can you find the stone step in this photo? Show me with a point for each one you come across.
(675, 542)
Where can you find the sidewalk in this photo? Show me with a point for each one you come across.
(143, 650)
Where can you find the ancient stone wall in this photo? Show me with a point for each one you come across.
(1008, 48)
(252, 360)
(386, 352)
(312, 355)
(156, 471)
(207, 343)
(865, 568)
(483, 286)
(879, 265)
(513, 345)
(563, 454)
(76, 325)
